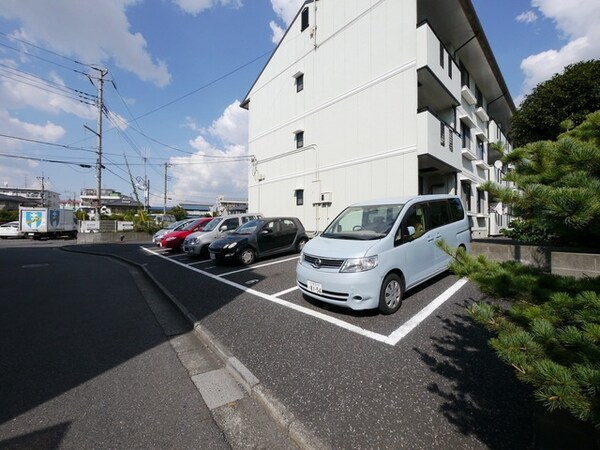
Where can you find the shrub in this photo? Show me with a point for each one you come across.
(549, 333)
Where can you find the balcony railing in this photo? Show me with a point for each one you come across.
(437, 138)
(432, 54)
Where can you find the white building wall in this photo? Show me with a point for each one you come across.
(361, 77)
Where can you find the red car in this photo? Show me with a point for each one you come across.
(174, 239)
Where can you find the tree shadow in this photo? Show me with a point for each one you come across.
(481, 395)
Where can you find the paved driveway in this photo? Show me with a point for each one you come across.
(422, 378)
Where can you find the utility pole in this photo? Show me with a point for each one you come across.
(167, 165)
(43, 194)
(98, 133)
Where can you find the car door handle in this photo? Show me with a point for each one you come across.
(429, 238)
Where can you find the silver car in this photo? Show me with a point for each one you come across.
(172, 227)
(196, 244)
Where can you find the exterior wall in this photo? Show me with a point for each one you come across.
(357, 112)
(499, 214)
(384, 111)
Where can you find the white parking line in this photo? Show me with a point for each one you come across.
(205, 261)
(392, 339)
(258, 266)
(287, 291)
(413, 322)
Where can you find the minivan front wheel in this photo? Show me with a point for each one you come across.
(390, 295)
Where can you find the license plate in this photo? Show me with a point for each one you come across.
(212, 256)
(316, 288)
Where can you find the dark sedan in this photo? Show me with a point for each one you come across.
(259, 238)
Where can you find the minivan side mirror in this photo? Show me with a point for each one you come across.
(223, 228)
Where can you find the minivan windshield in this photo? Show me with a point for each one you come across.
(364, 222)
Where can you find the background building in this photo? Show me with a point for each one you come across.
(113, 202)
(41, 197)
(365, 100)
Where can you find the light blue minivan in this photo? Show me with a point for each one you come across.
(374, 251)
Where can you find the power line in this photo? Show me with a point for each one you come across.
(31, 44)
(64, 94)
(210, 83)
(35, 141)
(31, 158)
(49, 83)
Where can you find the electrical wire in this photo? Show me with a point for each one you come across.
(49, 83)
(23, 41)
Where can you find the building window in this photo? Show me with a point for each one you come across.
(300, 82)
(480, 150)
(299, 139)
(479, 96)
(464, 76)
(442, 55)
(449, 66)
(465, 131)
(480, 201)
(304, 20)
(465, 187)
(299, 197)
(442, 134)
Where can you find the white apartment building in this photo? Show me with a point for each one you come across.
(366, 99)
(44, 197)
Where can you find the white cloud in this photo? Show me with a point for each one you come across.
(14, 171)
(577, 23)
(232, 126)
(214, 169)
(195, 7)
(22, 92)
(276, 32)
(11, 126)
(286, 10)
(527, 17)
(92, 32)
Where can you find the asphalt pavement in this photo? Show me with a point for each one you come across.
(441, 387)
(94, 355)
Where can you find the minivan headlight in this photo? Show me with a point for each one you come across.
(359, 264)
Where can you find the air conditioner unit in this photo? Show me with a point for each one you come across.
(326, 197)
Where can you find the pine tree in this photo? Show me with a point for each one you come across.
(558, 187)
(550, 334)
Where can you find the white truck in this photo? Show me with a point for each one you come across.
(40, 222)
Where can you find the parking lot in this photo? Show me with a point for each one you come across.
(273, 280)
(424, 377)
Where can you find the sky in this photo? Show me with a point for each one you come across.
(175, 73)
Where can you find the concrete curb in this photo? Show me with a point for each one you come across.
(297, 432)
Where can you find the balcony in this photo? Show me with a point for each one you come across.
(482, 164)
(436, 139)
(466, 118)
(438, 74)
(482, 114)
(468, 95)
(480, 134)
(468, 154)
